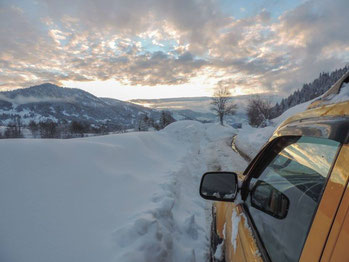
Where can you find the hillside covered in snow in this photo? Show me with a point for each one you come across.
(51, 102)
(48, 102)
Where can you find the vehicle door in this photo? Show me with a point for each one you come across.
(285, 186)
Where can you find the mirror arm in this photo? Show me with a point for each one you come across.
(244, 189)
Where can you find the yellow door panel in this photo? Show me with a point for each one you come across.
(240, 245)
(337, 244)
(221, 210)
(340, 252)
(327, 209)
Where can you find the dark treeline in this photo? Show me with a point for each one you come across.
(61, 129)
(261, 111)
(309, 91)
(65, 129)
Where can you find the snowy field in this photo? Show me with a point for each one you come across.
(126, 197)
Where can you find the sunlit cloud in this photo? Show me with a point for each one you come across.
(156, 48)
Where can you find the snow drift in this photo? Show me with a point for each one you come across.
(128, 197)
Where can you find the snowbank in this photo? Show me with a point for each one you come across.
(126, 197)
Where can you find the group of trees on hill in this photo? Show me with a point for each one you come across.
(260, 111)
(145, 122)
(309, 91)
(51, 129)
(13, 129)
(65, 129)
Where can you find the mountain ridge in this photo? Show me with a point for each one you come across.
(51, 102)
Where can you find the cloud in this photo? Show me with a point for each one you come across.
(314, 36)
(19, 100)
(157, 42)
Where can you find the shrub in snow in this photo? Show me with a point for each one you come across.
(144, 122)
(166, 118)
(259, 112)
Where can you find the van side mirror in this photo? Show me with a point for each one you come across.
(269, 200)
(219, 186)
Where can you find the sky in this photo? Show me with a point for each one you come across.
(130, 49)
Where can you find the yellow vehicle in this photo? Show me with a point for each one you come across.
(292, 202)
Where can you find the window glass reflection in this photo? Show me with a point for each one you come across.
(297, 169)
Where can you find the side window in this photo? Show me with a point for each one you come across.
(285, 195)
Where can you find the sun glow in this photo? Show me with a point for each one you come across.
(198, 86)
(238, 91)
(202, 84)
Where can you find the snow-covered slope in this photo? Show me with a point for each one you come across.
(51, 102)
(128, 197)
(48, 101)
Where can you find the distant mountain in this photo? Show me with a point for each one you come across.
(48, 101)
(309, 91)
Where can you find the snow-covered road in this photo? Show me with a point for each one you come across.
(129, 197)
(180, 216)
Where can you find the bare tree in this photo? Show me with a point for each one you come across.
(221, 103)
(259, 111)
